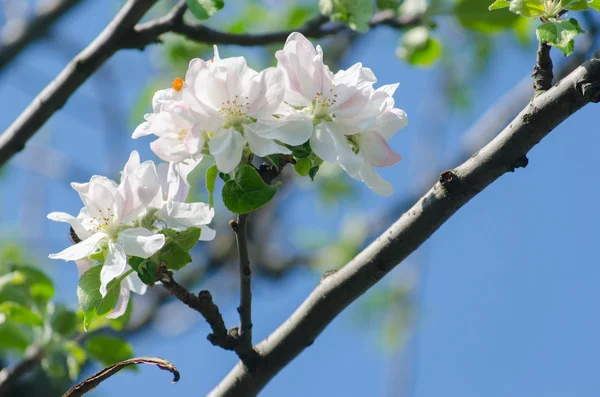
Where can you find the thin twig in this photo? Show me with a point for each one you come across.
(542, 72)
(93, 381)
(34, 29)
(245, 308)
(454, 189)
(203, 304)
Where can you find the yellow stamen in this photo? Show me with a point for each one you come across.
(177, 84)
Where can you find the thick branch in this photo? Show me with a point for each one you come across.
(542, 72)
(55, 95)
(9, 375)
(36, 28)
(150, 32)
(455, 188)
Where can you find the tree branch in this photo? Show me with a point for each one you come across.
(542, 72)
(93, 381)
(150, 32)
(245, 308)
(455, 188)
(55, 95)
(36, 28)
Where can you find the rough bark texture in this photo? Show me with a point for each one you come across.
(455, 188)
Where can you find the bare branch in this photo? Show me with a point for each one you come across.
(454, 189)
(36, 28)
(55, 95)
(542, 72)
(245, 308)
(93, 381)
(150, 32)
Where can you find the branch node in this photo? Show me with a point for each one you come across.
(449, 180)
(521, 162)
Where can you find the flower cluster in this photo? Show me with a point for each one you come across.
(128, 219)
(223, 109)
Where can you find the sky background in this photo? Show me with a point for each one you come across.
(507, 290)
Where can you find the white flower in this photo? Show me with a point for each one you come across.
(171, 193)
(240, 104)
(352, 121)
(106, 221)
(178, 128)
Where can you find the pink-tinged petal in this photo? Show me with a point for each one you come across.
(80, 250)
(350, 102)
(114, 265)
(356, 76)
(135, 284)
(389, 122)
(375, 182)
(164, 98)
(140, 242)
(376, 150)
(122, 302)
(83, 265)
(170, 149)
(226, 146)
(181, 216)
(266, 94)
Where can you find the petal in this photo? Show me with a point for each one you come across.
(80, 250)
(330, 144)
(226, 147)
(140, 242)
(183, 215)
(114, 265)
(376, 150)
(350, 101)
(83, 265)
(375, 182)
(389, 122)
(170, 148)
(132, 164)
(122, 302)
(135, 284)
(144, 128)
(293, 127)
(98, 195)
(75, 223)
(262, 146)
(163, 98)
(356, 76)
(269, 95)
(207, 233)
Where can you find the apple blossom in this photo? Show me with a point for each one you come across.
(106, 223)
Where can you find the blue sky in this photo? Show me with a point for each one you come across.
(507, 288)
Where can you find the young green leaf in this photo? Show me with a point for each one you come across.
(419, 48)
(560, 34)
(108, 349)
(527, 8)
(174, 256)
(211, 181)
(247, 191)
(145, 268)
(21, 314)
(75, 357)
(187, 238)
(40, 286)
(575, 5)
(355, 13)
(204, 9)
(595, 4)
(13, 337)
(498, 4)
(302, 166)
(91, 301)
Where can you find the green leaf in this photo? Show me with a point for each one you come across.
(247, 191)
(11, 278)
(419, 48)
(527, 8)
(595, 4)
(355, 13)
(75, 357)
(13, 337)
(91, 301)
(108, 349)
(301, 151)
(560, 34)
(302, 166)
(21, 314)
(174, 256)
(187, 238)
(211, 181)
(498, 4)
(145, 268)
(224, 177)
(575, 5)
(40, 286)
(475, 15)
(312, 172)
(63, 320)
(204, 9)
